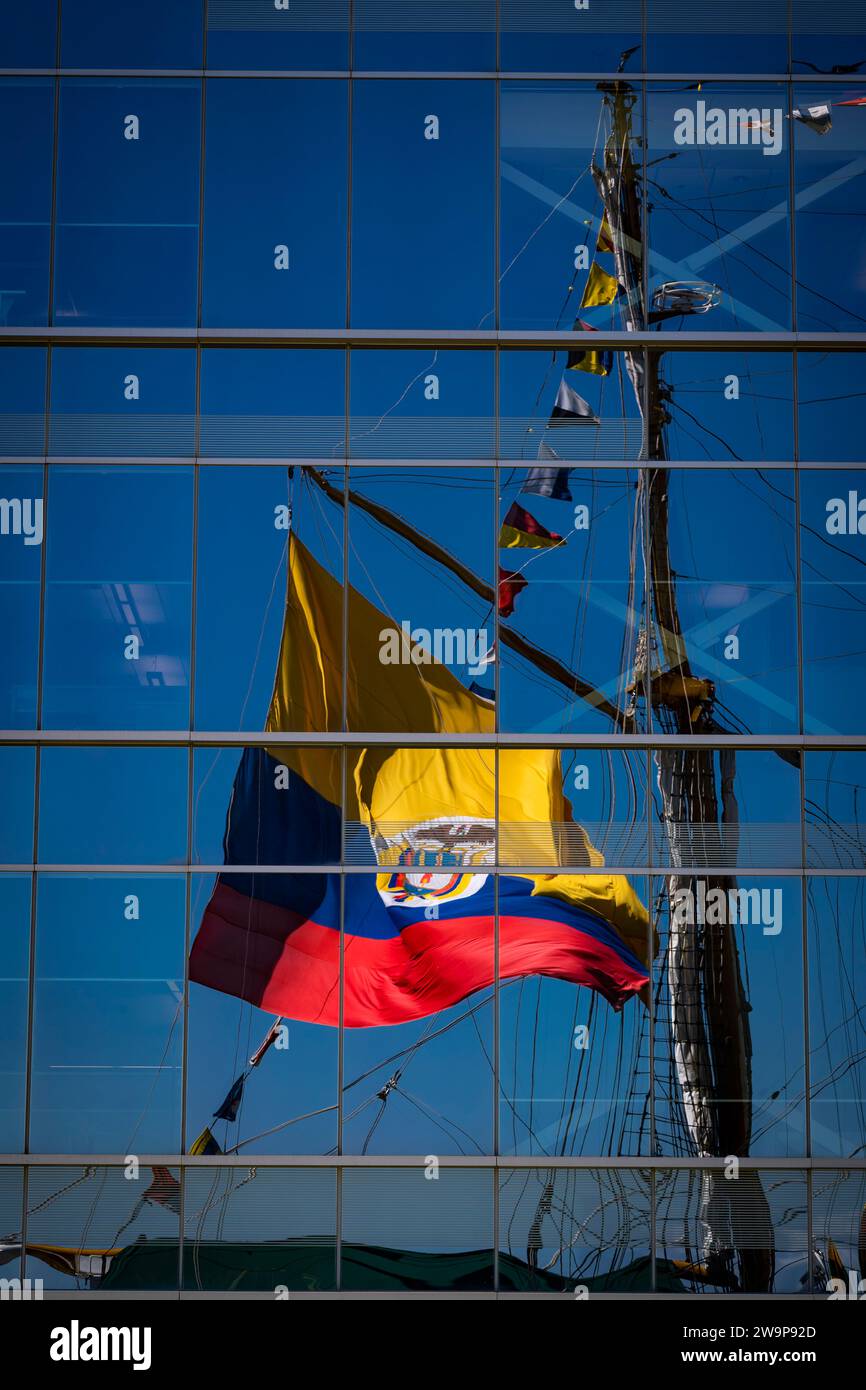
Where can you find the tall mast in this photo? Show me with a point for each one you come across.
(708, 1005)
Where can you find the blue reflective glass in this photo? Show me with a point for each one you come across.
(831, 391)
(103, 34)
(22, 519)
(26, 147)
(117, 600)
(14, 976)
(832, 526)
(837, 975)
(422, 204)
(28, 33)
(421, 403)
(570, 36)
(22, 401)
(735, 37)
(127, 202)
(278, 35)
(825, 38)
(17, 777)
(273, 403)
(108, 1014)
(830, 207)
(130, 805)
(450, 36)
(275, 204)
(128, 402)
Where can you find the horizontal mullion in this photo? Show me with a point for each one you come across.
(257, 739)
(492, 1161)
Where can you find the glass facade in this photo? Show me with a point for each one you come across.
(432, 468)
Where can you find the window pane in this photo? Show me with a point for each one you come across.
(727, 808)
(719, 220)
(837, 974)
(835, 791)
(573, 1063)
(572, 805)
(22, 520)
(304, 35)
(108, 1022)
(11, 1212)
(832, 387)
(128, 402)
(127, 203)
(826, 39)
(276, 403)
(243, 544)
(117, 607)
(830, 193)
(561, 1230)
(729, 1044)
(838, 1200)
(26, 147)
(834, 593)
(99, 1229)
(568, 650)
(276, 157)
(14, 1007)
(232, 1217)
(735, 37)
(99, 34)
(716, 1236)
(552, 36)
(290, 1098)
(458, 35)
(22, 401)
(422, 404)
(17, 776)
(724, 614)
(565, 406)
(724, 405)
(28, 34)
(422, 218)
(266, 805)
(439, 1236)
(130, 805)
(551, 133)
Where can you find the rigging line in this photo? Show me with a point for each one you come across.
(366, 433)
(156, 1076)
(430, 1113)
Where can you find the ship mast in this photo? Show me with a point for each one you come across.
(708, 1005)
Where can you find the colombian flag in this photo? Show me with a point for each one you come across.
(419, 934)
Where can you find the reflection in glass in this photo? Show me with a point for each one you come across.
(17, 777)
(835, 790)
(832, 507)
(724, 406)
(832, 388)
(435, 1236)
(581, 405)
(421, 404)
(22, 526)
(567, 1229)
(837, 974)
(548, 36)
(117, 601)
(97, 1228)
(571, 636)
(727, 808)
(825, 42)
(286, 830)
(717, 183)
(260, 1229)
(28, 34)
(22, 401)
(127, 202)
(11, 1210)
(729, 1047)
(599, 818)
(830, 202)
(422, 219)
(101, 34)
(453, 34)
(722, 583)
(108, 1020)
(14, 1008)
(272, 403)
(131, 805)
(26, 145)
(307, 35)
(714, 1235)
(734, 37)
(552, 134)
(838, 1206)
(276, 158)
(128, 402)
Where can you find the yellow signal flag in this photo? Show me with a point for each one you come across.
(601, 288)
